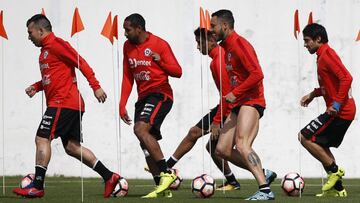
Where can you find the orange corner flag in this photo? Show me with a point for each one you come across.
(2, 29)
(207, 19)
(77, 24)
(296, 24)
(43, 11)
(202, 18)
(106, 31)
(310, 19)
(114, 28)
(358, 37)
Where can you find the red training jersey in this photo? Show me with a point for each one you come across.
(57, 62)
(335, 82)
(221, 79)
(150, 76)
(246, 77)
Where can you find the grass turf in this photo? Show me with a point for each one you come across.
(68, 190)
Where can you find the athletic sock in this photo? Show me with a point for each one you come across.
(102, 170)
(162, 166)
(39, 177)
(171, 161)
(332, 168)
(157, 179)
(265, 188)
(231, 178)
(338, 185)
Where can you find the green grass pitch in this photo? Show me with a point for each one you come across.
(68, 190)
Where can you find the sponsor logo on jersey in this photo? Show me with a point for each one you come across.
(143, 75)
(147, 52)
(134, 63)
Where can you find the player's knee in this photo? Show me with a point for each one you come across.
(194, 134)
(70, 149)
(139, 130)
(221, 152)
(40, 141)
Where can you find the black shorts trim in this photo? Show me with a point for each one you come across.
(259, 109)
(60, 122)
(153, 109)
(326, 130)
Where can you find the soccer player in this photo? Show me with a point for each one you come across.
(246, 99)
(149, 61)
(216, 115)
(65, 106)
(329, 128)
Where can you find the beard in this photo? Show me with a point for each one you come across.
(220, 36)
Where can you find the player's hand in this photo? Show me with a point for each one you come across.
(331, 111)
(126, 118)
(215, 131)
(306, 100)
(30, 91)
(100, 95)
(156, 57)
(230, 98)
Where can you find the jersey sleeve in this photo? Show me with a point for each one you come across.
(335, 66)
(127, 84)
(249, 60)
(168, 61)
(38, 86)
(65, 52)
(220, 74)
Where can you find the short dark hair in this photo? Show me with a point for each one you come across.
(136, 20)
(40, 20)
(203, 32)
(225, 15)
(314, 31)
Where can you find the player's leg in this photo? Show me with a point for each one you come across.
(197, 131)
(317, 137)
(70, 133)
(223, 166)
(246, 131)
(225, 146)
(153, 168)
(44, 135)
(74, 149)
(149, 115)
(185, 146)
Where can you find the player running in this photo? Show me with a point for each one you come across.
(149, 61)
(329, 128)
(65, 106)
(247, 102)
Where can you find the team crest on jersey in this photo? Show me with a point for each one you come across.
(46, 53)
(147, 52)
